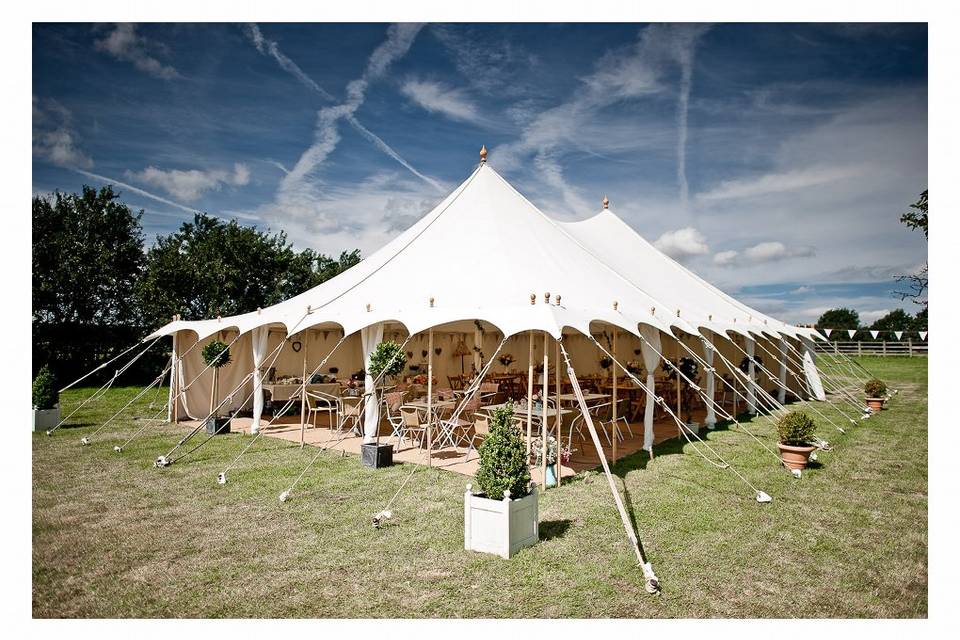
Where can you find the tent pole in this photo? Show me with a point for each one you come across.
(556, 359)
(614, 426)
(545, 396)
(679, 408)
(430, 397)
(529, 395)
(175, 382)
(303, 391)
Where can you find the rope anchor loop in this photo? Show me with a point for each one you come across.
(161, 462)
(84, 441)
(380, 518)
(118, 449)
(221, 478)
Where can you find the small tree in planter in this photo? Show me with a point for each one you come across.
(503, 517)
(876, 392)
(796, 430)
(46, 412)
(216, 355)
(388, 359)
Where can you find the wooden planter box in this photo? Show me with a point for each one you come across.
(44, 419)
(501, 527)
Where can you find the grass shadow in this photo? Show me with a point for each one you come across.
(551, 529)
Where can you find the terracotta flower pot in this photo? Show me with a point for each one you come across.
(795, 457)
(875, 404)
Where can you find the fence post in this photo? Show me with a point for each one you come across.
(859, 348)
(884, 347)
(910, 347)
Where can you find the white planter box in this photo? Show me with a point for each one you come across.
(44, 419)
(501, 527)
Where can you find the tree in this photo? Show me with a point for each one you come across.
(210, 267)
(87, 258)
(839, 319)
(896, 320)
(920, 321)
(917, 283)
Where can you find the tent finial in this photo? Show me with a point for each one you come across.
(558, 299)
(431, 301)
(483, 153)
(606, 202)
(616, 305)
(369, 307)
(533, 298)
(653, 311)
(546, 297)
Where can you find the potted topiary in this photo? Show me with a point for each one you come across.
(46, 410)
(503, 518)
(796, 431)
(216, 355)
(876, 392)
(389, 359)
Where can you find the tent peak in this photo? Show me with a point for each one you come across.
(606, 202)
(483, 153)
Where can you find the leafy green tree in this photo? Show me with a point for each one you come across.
(87, 258)
(918, 282)
(920, 321)
(839, 319)
(210, 267)
(896, 320)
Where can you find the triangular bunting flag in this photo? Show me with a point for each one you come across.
(851, 332)
(827, 332)
(923, 335)
(874, 334)
(899, 334)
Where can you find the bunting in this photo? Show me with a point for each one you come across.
(874, 334)
(851, 332)
(899, 334)
(923, 335)
(827, 332)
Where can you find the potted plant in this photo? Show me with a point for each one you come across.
(796, 430)
(46, 410)
(216, 355)
(536, 450)
(388, 359)
(503, 517)
(876, 392)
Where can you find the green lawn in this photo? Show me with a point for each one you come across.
(115, 537)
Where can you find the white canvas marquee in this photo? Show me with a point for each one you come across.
(485, 253)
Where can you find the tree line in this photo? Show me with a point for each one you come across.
(97, 287)
(897, 320)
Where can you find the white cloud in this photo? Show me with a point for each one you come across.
(682, 243)
(780, 182)
(871, 316)
(189, 185)
(123, 43)
(436, 97)
(802, 289)
(54, 138)
(773, 251)
(724, 258)
(137, 190)
(763, 252)
(270, 48)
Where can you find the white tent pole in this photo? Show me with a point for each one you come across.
(544, 396)
(172, 411)
(430, 397)
(303, 389)
(529, 394)
(613, 373)
(679, 408)
(557, 403)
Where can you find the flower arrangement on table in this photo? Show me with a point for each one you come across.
(506, 359)
(536, 451)
(635, 367)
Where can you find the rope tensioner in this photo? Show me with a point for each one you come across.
(161, 462)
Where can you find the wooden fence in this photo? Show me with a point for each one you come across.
(875, 348)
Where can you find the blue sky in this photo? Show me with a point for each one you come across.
(772, 159)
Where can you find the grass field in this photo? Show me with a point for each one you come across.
(115, 537)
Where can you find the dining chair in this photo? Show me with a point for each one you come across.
(321, 402)
(395, 420)
(478, 430)
(414, 427)
(456, 382)
(350, 412)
